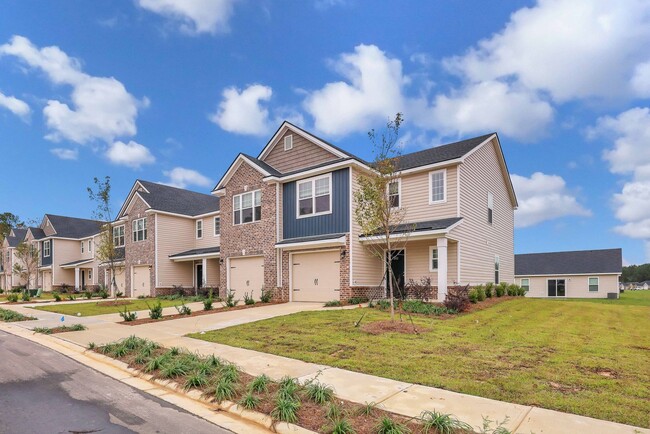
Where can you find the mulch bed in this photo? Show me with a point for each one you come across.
(56, 330)
(388, 326)
(196, 313)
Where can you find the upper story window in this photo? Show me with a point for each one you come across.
(83, 243)
(593, 284)
(140, 229)
(288, 143)
(438, 186)
(490, 206)
(315, 196)
(118, 236)
(46, 249)
(394, 193)
(247, 207)
(90, 245)
(217, 226)
(199, 229)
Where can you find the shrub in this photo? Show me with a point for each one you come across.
(173, 369)
(419, 290)
(457, 298)
(92, 345)
(266, 296)
(71, 297)
(368, 409)
(501, 289)
(260, 384)
(119, 294)
(418, 306)
(334, 412)
(57, 296)
(342, 426)
(520, 291)
(288, 388)
(225, 390)
(388, 426)
(183, 309)
(207, 304)
(196, 379)
(230, 299)
(333, 303)
(230, 373)
(286, 410)
(358, 300)
(248, 299)
(480, 290)
(385, 304)
(155, 312)
(103, 293)
(65, 288)
(489, 289)
(25, 296)
(88, 295)
(319, 393)
(128, 316)
(12, 298)
(440, 423)
(249, 401)
(473, 296)
(7, 315)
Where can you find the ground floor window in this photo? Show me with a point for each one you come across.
(525, 284)
(556, 288)
(496, 269)
(593, 284)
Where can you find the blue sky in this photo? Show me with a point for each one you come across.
(172, 90)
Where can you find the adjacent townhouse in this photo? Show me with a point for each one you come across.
(67, 248)
(575, 274)
(166, 237)
(8, 278)
(287, 219)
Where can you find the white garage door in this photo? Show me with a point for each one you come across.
(316, 276)
(141, 285)
(247, 276)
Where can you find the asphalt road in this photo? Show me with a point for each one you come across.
(42, 392)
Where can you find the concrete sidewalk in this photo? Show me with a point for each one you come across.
(399, 397)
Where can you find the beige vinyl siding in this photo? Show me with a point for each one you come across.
(174, 235)
(208, 240)
(47, 228)
(415, 196)
(366, 268)
(213, 273)
(303, 154)
(417, 257)
(64, 251)
(480, 241)
(577, 286)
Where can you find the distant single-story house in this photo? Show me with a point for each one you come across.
(578, 274)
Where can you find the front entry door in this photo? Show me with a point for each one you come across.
(199, 276)
(83, 279)
(397, 266)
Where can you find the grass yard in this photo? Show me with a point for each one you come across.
(580, 357)
(96, 308)
(44, 296)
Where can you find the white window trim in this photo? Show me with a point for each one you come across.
(241, 222)
(444, 190)
(521, 281)
(82, 247)
(49, 250)
(134, 225)
(313, 190)
(490, 206)
(566, 287)
(497, 263)
(290, 137)
(431, 269)
(597, 284)
(123, 235)
(90, 246)
(399, 192)
(214, 228)
(196, 227)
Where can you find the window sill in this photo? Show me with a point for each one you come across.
(313, 215)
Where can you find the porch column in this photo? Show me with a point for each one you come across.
(204, 271)
(76, 278)
(442, 267)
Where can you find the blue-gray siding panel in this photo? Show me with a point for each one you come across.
(47, 260)
(336, 222)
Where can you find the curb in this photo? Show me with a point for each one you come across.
(167, 390)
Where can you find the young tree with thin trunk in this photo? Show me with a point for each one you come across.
(377, 209)
(106, 252)
(27, 266)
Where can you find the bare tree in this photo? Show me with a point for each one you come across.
(27, 266)
(377, 208)
(106, 252)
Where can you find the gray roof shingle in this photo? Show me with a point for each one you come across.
(575, 262)
(177, 200)
(18, 238)
(311, 238)
(201, 251)
(73, 227)
(38, 233)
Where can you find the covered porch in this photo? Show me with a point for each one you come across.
(203, 265)
(83, 273)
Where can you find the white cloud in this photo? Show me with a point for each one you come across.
(544, 197)
(371, 94)
(181, 177)
(242, 112)
(132, 154)
(489, 106)
(641, 80)
(101, 109)
(16, 106)
(570, 49)
(65, 154)
(194, 16)
(633, 202)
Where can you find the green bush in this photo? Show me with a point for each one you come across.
(207, 304)
(501, 289)
(333, 303)
(521, 291)
(473, 295)
(57, 296)
(128, 316)
(12, 298)
(319, 393)
(480, 290)
(358, 300)
(25, 296)
(183, 309)
(418, 306)
(248, 299)
(489, 289)
(266, 296)
(88, 295)
(230, 299)
(155, 312)
(103, 293)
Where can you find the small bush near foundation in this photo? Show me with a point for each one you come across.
(480, 290)
(501, 289)
(385, 304)
(71, 297)
(207, 304)
(230, 299)
(57, 296)
(155, 312)
(333, 303)
(248, 299)
(12, 298)
(65, 288)
(128, 316)
(473, 296)
(419, 290)
(457, 299)
(512, 290)
(418, 306)
(358, 300)
(521, 291)
(25, 296)
(88, 295)
(103, 293)
(489, 289)
(183, 309)
(266, 296)
(119, 294)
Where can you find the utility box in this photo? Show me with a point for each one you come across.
(612, 295)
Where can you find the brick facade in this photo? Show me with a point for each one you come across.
(141, 252)
(249, 239)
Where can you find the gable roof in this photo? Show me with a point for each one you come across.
(175, 200)
(575, 262)
(37, 233)
(286, 125)
(72, 227)
(255, 163)
(19, 236)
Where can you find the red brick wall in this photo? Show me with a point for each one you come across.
(141, 252)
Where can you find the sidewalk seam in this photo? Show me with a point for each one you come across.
(523, 419)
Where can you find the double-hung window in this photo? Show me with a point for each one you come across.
(394, 190)
(90, 245)
(46, 249)
(82, 246)
(437, 186)
(433, 259)
(247, 207)
(496, 268)
(118, 236)
(315, 196)
(199, 229)
(593, 284)
(525, 284)
(139, 229)
(217, 226)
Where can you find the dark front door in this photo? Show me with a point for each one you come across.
(397, 269)
(83, 279)
(199, 276)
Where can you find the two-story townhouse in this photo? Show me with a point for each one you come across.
(168, 237)
(8, 278)
(67, 248)
(287, 221)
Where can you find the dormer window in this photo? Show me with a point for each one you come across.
(288, 143)
(314, 196)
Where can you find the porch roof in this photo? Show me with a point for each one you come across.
(188, 255)
(327, 240)
(418, 230)
(76, 263)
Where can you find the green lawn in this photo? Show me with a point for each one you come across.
(95, 308)
(580, 357)
(44, 296)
